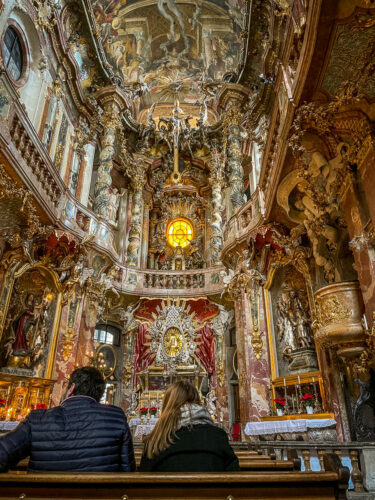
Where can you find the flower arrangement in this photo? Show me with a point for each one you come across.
(307, 400)
(3, 403)
(144, 411)
(280, 403)
(41, 406)
(153, 410)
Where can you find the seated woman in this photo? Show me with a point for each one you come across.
(185, 438)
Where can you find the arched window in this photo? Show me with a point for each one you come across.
(13, 53)
(107, 334)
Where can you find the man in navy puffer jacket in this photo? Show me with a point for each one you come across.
(79, 435)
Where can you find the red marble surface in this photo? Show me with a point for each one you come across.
(254, 374)
(63, 368)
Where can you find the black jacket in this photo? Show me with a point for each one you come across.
(79, 435)
(200, 448)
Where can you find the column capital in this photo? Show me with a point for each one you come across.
(232, 95)
(112, 96)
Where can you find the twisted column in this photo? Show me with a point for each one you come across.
(113, 102)
(137, 175)
(217, 181)
(104, 179)
(231, 101)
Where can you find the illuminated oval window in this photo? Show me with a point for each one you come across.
(179, 233)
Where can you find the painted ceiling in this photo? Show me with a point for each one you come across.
(172, 47)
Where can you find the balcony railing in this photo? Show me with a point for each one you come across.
(242, 222)
(312, 453)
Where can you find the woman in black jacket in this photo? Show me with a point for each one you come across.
(185, 438)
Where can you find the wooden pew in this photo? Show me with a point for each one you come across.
(247, 462)
(281, 485)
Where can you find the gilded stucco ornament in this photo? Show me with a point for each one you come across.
(173, 337)
(339, 312)
(331, 310)
(315, 207)
(45, 13)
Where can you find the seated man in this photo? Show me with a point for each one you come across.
(79, 435)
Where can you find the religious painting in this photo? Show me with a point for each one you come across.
(291, 323)
(166, 42)
(29, 324)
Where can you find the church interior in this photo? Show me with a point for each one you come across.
(185, 192)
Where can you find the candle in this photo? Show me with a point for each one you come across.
(299, 380)
(284, 382)
(365, 322)
(313, 380)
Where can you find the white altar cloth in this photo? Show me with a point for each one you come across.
(133, 422)
(143, 430)
(279, 426)
(8, 425)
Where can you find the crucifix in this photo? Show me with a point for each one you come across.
(176, 124)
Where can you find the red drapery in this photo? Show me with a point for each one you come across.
(206, 349)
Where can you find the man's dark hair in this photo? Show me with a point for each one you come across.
(88, 381)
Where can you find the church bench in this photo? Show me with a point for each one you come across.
(271, 485)
(247, 462)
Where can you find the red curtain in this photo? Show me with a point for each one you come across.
(206, 350)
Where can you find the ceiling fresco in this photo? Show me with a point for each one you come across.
(172, 47)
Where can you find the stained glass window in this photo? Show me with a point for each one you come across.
(179, 233)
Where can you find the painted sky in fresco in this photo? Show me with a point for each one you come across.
(168, 43)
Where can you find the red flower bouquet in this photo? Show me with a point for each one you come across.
(144, 410)
(307, 400)
(41, 406)
(153, 410)
(280, 403)
(3, 402)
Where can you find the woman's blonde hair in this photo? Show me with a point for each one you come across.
(161, 437)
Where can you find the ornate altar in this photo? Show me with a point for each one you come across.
(19, 395)
(173, 341)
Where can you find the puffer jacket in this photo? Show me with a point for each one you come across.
(79, 435)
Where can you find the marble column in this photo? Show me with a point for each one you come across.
(138, 180)
(231, 100)
(122, 223)
(85, 175)
(217, 183)
(252, 350)
(145, 235)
